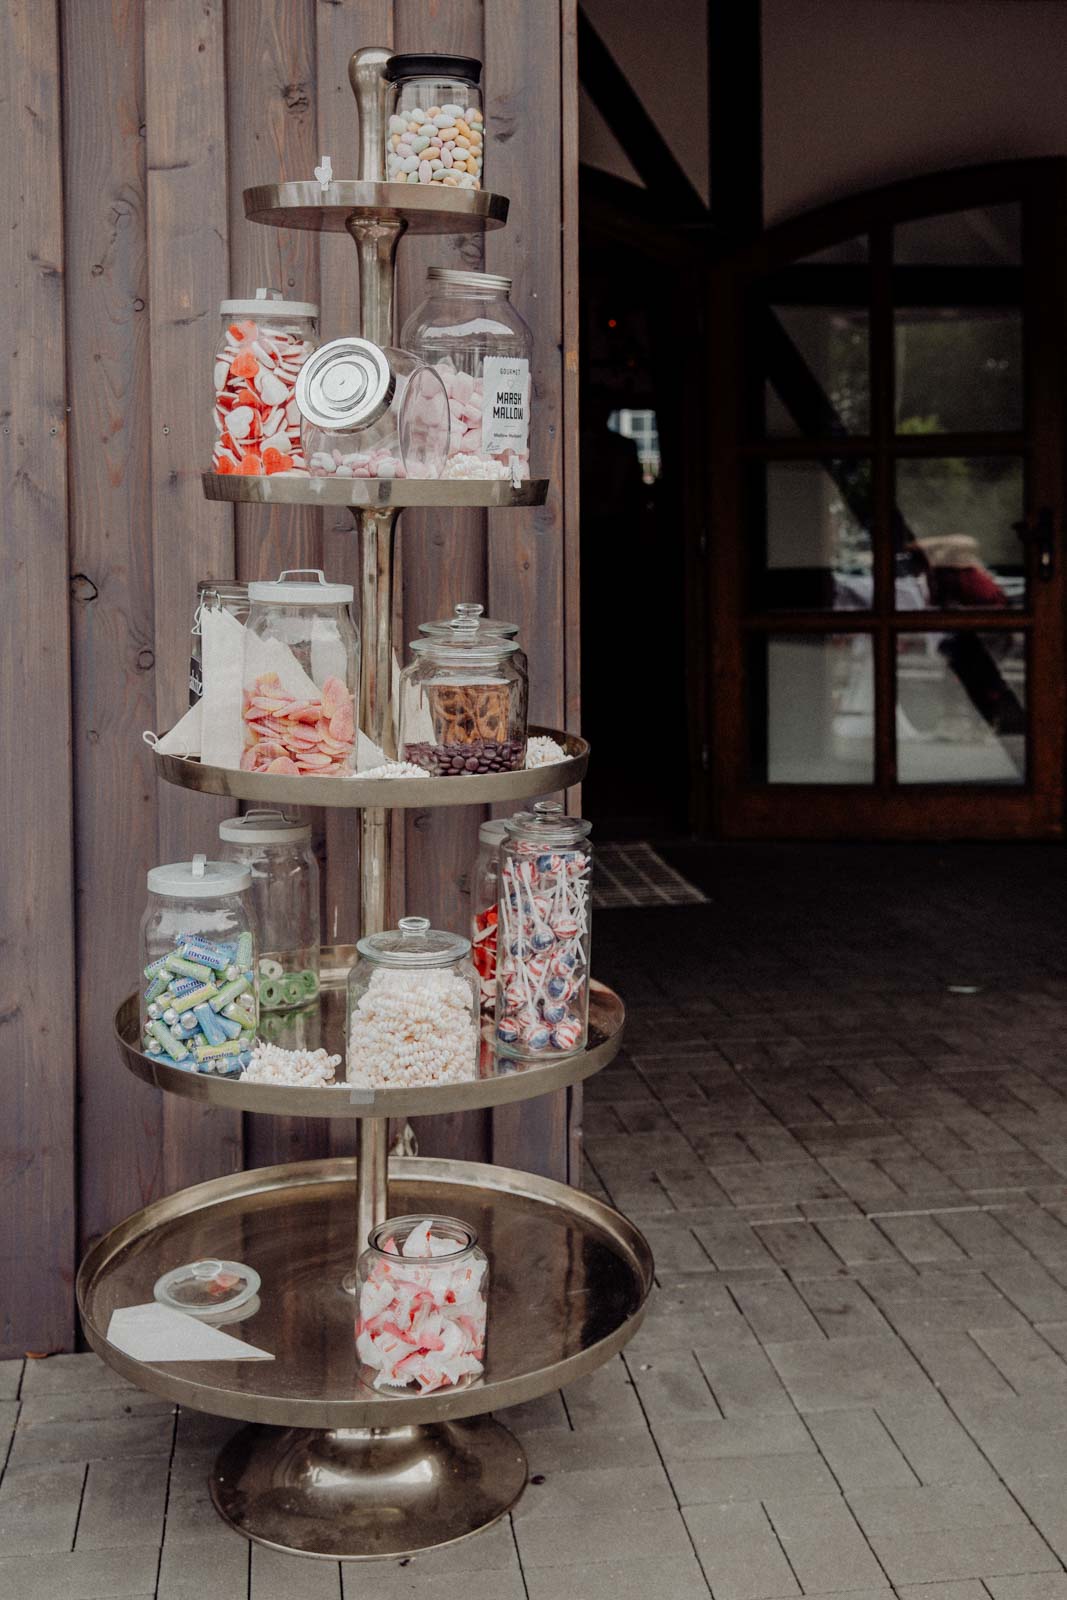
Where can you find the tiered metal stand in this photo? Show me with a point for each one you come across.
(326, 1465)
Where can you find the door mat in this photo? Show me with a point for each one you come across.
(631, 873)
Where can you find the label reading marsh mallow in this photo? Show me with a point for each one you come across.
(505, 405)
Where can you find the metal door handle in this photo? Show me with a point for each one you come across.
(1040, 531)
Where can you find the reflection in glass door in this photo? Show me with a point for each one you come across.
(888, 607)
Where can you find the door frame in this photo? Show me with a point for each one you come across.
(730, 804)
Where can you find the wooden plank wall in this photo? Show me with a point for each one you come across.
(131, 128)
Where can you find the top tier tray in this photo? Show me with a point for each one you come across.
(371, 494)
(419, 208)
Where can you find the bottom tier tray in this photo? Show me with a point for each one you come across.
(569, 1282)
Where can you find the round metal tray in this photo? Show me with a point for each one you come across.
(502, 1078)
(387, 794)
(375, 493)
(425, 208)
(569, 1278)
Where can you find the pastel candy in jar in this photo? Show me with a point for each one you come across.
(263, 344)
(436, 134)
(423, 1300)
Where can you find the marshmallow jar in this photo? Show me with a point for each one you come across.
(470, 332)
(369, 412)
(423, 1286)
(542, 934)
(263, 344)
(412, 1002)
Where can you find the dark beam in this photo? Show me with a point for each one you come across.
(735, 119)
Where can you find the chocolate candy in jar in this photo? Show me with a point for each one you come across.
(199, 973)
(369, 412)
(429, 1276)
(300, 677)
(212, 594)
(485, 888)
(543, 916)
(463, 704)
(436, 131)
(412, 1008)
(469, 331)
(285, 898)
(263, 343)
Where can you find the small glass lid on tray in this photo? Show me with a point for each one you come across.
(207, 1288)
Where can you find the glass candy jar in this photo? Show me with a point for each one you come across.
(285, 900)
(430, 1277)
(485, 890)
(212, 594)
(198, 957)
(463, 705)
(372, 413)
(467, 620)
(468, 329)
(262, 345)
(412, 1009)
(436, 133)
(300, 677)
(542, 996)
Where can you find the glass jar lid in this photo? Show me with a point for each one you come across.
(493, 832)
(547, 823)
(345, 385)
(268, 302)
(422, 1239)
(223, 588)
(265, 827)
(467, 615)
(428, 64)
(302, 586)
(465, 646)
(206, 1288)
(413, 943)
(199, 879)
(487, 282)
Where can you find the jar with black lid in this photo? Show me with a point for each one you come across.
(436, 130)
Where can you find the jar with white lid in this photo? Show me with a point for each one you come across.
(436, 133)
(277, 851)
(369, 412)
(430, 1277)
(468, 329)
(212, 594)
(485, 892)
(543, 909)
(463, 705)
(412, 1008)
(263, 343)
(198, 958)
(300, 677)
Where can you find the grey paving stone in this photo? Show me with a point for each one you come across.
(550, 1451)
(679, 1578)
(1023, 1356)
(1023, 1437)
(965, 1589)
(276, 1575)
(80, 1575)
(789, 1181)
(1035, 1291)
(933, 1443)
(857, 1241)
(732, 1242)
(605, 1398)
(949, 1553)
(1030, 1586)
(10, 1378)
(981, 1236)
(752, 1434)
(95, 1439)
(842, 1309)
(825, 1546)
(929, 1507)
(830, 1374)
(776, 1313)
(215, 1563)
(739, 1478)
(123, 1504)
(39, 1508)
(69, 1374)
(858, 1450)
(798, 1247)
(920, 1239)
(611, 1536)
(546, 1412)
(742, 1380)
(687, 1309)
(382, 1581)
(672, 1386)
(741, 1557)
(957, 1365)
(593, 1491)
(675, 1247)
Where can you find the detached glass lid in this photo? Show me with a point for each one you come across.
(206, 1288)
(466, 618)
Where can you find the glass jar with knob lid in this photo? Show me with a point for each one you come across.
(263, 343)
(285, 899)
(469, 621)
(436, 132)
(543, 925)
(463, 705)
(198, 958)
(468, 329)
(300, 677)
(369, 412)
(412, 1008)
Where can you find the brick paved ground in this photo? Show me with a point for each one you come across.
(852, 1380)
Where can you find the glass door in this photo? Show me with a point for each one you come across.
(886, 492)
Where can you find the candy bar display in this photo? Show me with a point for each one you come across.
(436, 132)
(285, 900)
(470, 332)
(264, 343)
(485, 891)
(300, 715)
(463, 705)
(212, 594)
(369, 412)
(198, 956)
(542, 996)
(412, 1004)
(423, 1289)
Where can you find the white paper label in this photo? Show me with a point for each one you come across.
(505, 404)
